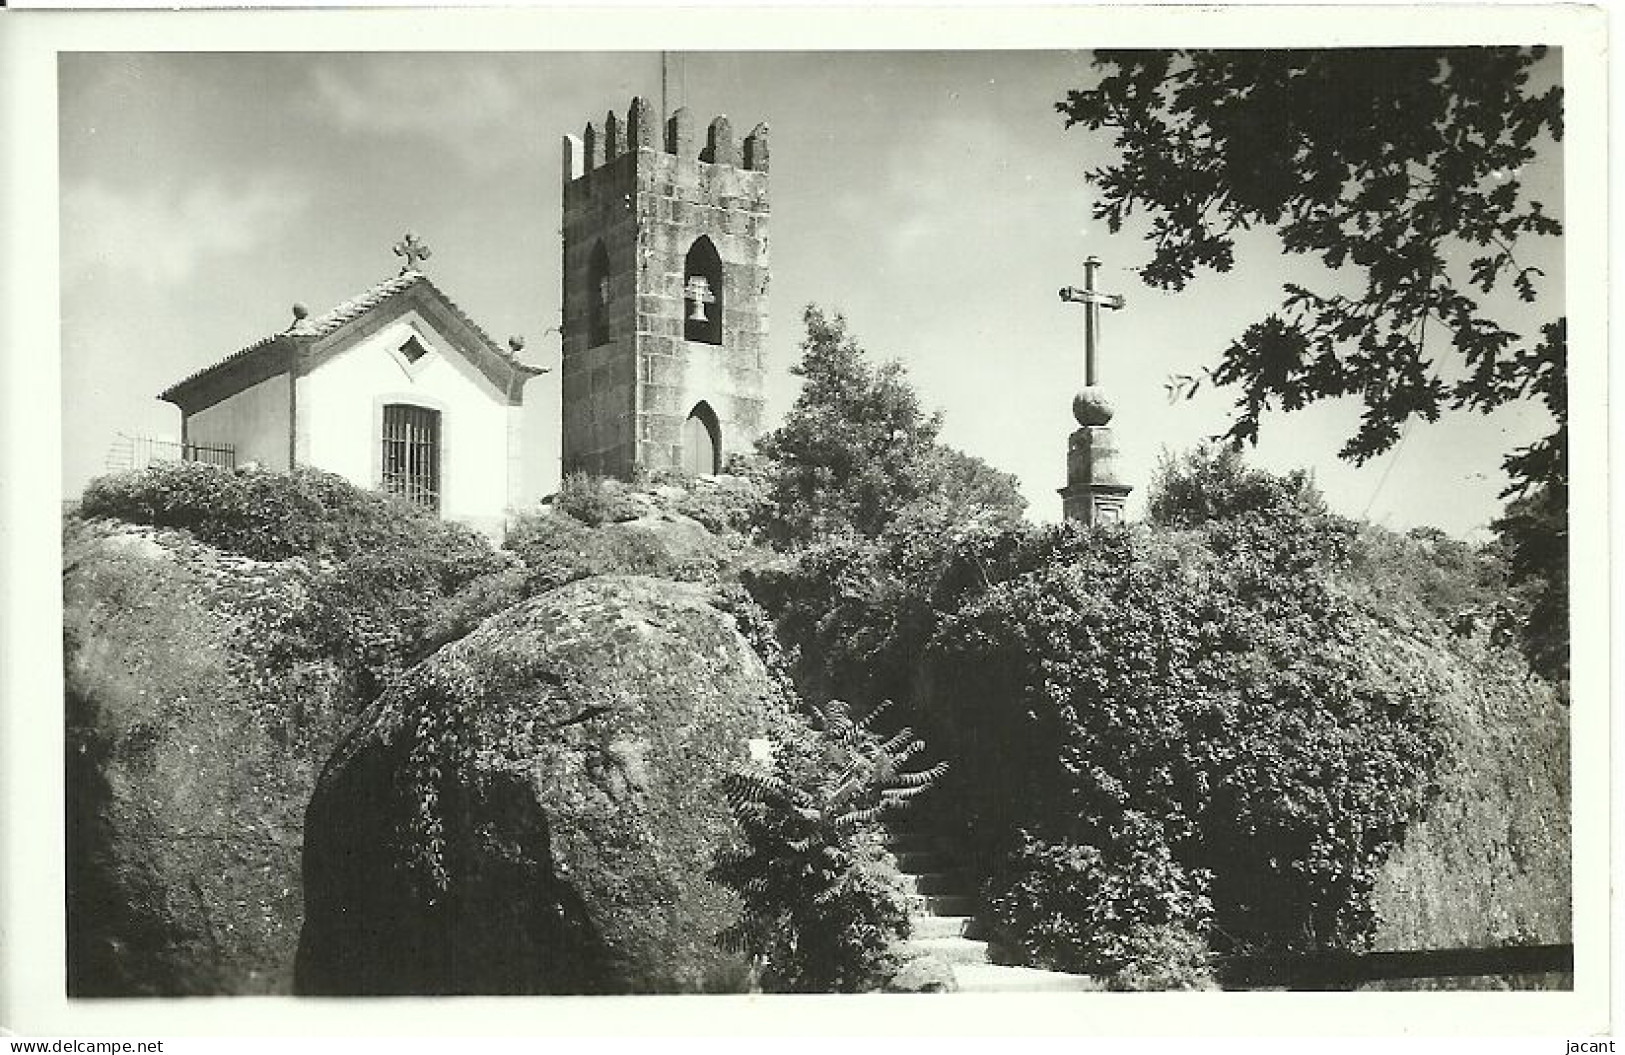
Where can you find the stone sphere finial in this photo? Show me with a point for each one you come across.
(300, 311)
(516, 344)
(1091, 406)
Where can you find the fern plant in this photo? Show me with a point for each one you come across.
(823, 904)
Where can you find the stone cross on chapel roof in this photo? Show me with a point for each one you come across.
(413, 250)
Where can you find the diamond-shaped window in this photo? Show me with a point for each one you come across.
(414, 349)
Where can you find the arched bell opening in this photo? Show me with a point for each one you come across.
(702, 293)
(598, 297)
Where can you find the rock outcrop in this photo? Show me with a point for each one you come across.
(192, 749)
(534, 808)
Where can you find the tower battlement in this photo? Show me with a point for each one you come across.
(665, 292)
(600, 144)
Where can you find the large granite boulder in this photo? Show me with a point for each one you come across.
(534, 808)
(193, 740)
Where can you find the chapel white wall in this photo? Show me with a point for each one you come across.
(254, 421)
(340, 418)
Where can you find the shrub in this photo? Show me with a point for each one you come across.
(452, 617)
(274, 516)
(824, 907)
(1490, 863)
(1212, 483)
(559, 549)
(594, 500)
(1533, 534)
(376, 569)
(856, 613)
(1427, 580)
(1078, 907)
(1212, 675)
(726, 505)
(1281, 743)
(1162, 958)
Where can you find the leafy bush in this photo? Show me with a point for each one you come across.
(454, 616)
(729, 504)
(594, 500)
(274, 516)
(376, 569)
(1213, 675)
(1533, 533)
(1280, 742)
(823, 905)
(1490, 863)
(1077, 907)
(856, 613)
(1162, 958)
(560, 549)
(1427, 580)
(1211, 483)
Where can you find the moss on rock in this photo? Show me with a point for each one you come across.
(191, 752)
(534, 808)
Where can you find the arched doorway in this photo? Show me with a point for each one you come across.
(702, 441)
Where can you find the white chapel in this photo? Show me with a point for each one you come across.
(396, 389)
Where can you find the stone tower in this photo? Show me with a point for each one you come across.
(665, 293)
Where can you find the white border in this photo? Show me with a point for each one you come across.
(31, 941)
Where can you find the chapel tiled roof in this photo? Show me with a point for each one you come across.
(315, 327)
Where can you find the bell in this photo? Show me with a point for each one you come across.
(699, 294)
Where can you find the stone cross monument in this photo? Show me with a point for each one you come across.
(1093, 493)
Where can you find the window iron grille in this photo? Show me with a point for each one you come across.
(411, 454)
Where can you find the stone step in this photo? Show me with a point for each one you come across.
(917, 862)
(975, 928)
(910, 842)
(952, 951)
(941, 904)
(937, 882)
(942, 926)
(997, 978)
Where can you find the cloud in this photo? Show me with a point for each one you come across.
(464, 105)
(167, 235)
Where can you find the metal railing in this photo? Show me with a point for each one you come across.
(137, 452)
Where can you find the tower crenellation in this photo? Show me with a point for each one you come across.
(719, 144)
(680, 133)
(665, 293)
(756, 148)
(640, 124)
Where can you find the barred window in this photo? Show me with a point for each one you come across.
(411, 454)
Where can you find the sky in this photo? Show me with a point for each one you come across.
(934, 198)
